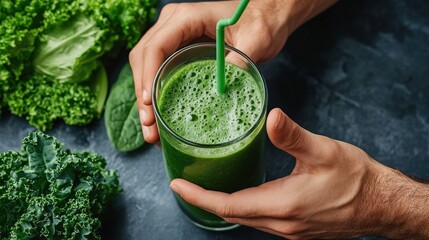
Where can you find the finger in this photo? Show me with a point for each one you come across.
(163, 43)
(281, 227)
(175, 27)
(290, 137)
(146, 58)
(136, 56)
(147, 117)
(250, 202)
(150, 133)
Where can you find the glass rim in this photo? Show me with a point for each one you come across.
(204, 145)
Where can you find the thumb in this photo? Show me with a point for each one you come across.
(288, 136)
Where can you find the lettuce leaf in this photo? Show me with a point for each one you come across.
(63, 41)
(69, 51)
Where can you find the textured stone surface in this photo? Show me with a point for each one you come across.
(358, 73)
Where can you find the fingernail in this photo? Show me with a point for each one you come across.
(175, 188)
(144, 95)
(143, 116)
(146, 132)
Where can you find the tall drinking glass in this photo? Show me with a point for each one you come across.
(227, 165)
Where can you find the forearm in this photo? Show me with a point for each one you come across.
(400, 206)
(292, 13)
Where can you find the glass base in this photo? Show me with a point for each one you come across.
(203, 219)
(217, 229)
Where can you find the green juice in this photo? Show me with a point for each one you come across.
(213, 140)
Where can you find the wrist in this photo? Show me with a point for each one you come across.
(279, 12)
(290, 14)
(396, 205)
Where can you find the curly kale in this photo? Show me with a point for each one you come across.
(63, 40)
(48, 192)
(42, 100)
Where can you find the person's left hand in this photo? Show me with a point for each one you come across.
(260, 35)
(327, 195)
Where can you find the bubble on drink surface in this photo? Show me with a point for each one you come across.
(207, 117)
(192, 117)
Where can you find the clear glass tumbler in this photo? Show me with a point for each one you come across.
(227, 166)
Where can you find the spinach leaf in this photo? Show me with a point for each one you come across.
(121, 114)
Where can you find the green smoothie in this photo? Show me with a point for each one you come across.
(222, 134)
(191, 106)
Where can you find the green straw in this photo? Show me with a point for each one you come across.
(220, 44)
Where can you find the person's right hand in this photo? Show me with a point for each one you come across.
(258, 34)
(336, 190)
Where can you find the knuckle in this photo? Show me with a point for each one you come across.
(148, 47)
(360, 152)
(332, 148)
(292, 230)
(288, 230)
(225, 211)
(169, 9)
(132, 56)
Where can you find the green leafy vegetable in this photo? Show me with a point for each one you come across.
(42, 100)
(63, 41)
(67, 52)
(99, 86)
(48, 192)
(121, 115)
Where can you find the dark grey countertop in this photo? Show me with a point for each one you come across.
(358, 73)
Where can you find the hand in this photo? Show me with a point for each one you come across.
(259, 35)
(335, 190)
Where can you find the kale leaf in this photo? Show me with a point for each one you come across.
(49, 192)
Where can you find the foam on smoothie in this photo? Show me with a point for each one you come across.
(191, 106)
